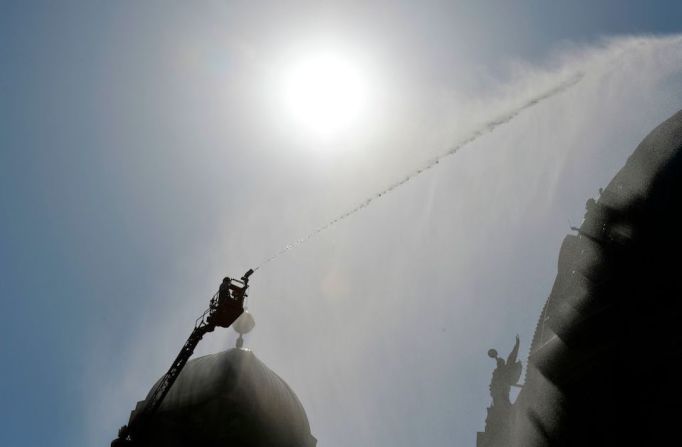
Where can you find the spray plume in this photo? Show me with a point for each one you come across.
(484, 129)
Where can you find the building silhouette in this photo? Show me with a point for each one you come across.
(227, 399)
(601, 369)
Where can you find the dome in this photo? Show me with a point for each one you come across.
(228, 399)
(601, 366)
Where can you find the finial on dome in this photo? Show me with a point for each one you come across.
(244, 324)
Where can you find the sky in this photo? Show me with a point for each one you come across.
(145, 153)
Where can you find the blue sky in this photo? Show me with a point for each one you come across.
(141, 159)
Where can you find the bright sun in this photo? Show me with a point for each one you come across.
(325, 94)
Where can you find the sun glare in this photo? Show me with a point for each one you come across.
(325, 94)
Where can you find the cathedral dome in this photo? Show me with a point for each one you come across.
(228, 399)
(601, 366)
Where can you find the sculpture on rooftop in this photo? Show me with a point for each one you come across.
(505, 376)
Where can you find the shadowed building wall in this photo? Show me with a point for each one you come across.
(602, 368)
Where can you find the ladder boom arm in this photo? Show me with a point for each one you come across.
(225, 307)
(171, 376)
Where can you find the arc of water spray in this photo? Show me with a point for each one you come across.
(484, 129)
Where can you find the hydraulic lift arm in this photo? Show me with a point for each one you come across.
(225, 307)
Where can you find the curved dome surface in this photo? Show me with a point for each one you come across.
(228, 399)
(601, 368)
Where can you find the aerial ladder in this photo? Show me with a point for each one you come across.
(224, 308)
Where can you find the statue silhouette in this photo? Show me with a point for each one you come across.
(505, 376)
